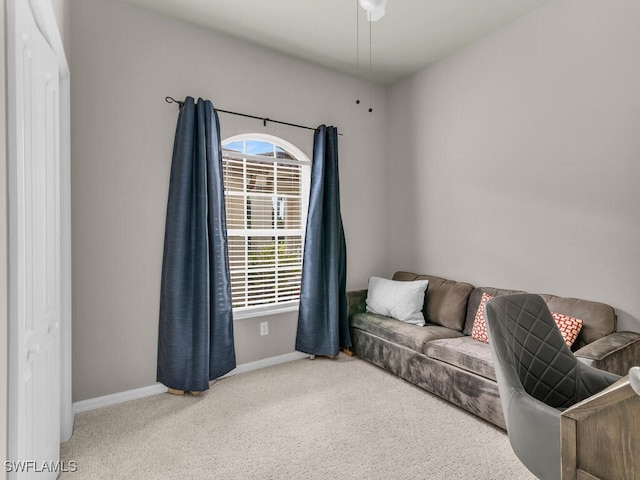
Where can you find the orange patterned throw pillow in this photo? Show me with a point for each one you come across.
(479, 330)
(569, 326)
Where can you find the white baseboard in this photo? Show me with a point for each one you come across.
(266, 362)
(116, 398)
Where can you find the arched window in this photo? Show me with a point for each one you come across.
(266, 181)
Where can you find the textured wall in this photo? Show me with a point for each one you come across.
(517, 160)
(124, 61)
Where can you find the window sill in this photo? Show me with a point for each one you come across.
(265, 311)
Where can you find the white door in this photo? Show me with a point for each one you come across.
(34, 247)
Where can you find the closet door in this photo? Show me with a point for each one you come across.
(34, 247)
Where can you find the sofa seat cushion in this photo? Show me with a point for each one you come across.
(405, 334)
(463, 352)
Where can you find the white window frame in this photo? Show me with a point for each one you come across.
(301, 159)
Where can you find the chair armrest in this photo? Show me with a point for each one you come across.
(615, 353)
(357, 302)
(592, 381)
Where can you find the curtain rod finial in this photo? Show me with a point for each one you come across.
(173, 100)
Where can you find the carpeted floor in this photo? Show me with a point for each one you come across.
(308, 419)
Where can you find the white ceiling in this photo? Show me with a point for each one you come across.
(413, 34)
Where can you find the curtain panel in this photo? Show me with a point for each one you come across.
(195, 339)
(323, 327)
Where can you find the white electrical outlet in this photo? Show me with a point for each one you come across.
(264, 328)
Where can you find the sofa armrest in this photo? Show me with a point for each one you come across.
(357, 302)
(615, 353)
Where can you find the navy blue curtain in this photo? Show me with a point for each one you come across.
(195, 341)
(323, 327)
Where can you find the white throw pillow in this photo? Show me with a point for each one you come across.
(400, 300)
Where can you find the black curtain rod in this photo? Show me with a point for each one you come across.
(264, 119)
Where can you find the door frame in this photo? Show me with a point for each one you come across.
(45, 18)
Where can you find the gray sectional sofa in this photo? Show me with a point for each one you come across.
(442, 358)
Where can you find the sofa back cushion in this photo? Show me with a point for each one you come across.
(445, 301)
(599, 318)
(474, 302)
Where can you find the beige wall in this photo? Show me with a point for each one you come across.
(124, 61)
(62, 10)
(517, 160)
(4, 347)
(510, 163)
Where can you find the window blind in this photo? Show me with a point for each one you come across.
(265, 225)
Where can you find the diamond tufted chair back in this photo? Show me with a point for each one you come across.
(538, 377)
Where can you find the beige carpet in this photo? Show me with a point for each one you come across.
(308, 419)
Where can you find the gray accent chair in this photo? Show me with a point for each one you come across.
(538, 376)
